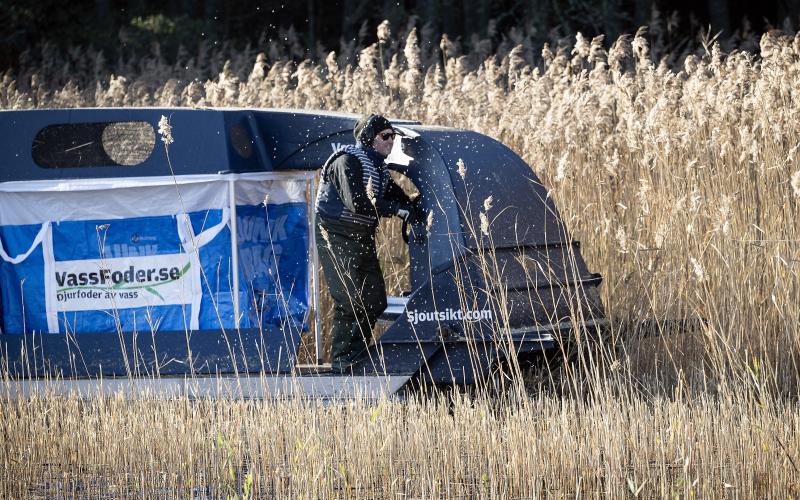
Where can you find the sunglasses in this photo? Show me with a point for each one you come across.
(387, 135)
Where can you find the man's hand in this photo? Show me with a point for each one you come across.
(418, 212)
(403, 214)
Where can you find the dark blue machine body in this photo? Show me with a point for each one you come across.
(480, 292)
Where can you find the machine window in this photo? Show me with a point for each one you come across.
(105, 144)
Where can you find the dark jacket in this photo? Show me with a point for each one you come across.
(342, 193)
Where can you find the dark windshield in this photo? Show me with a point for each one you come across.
(520, 212)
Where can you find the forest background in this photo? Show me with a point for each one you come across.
(125, 29)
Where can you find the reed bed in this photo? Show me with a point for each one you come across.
(681, 177)
(618, 447)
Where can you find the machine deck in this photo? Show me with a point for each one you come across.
(316, 386)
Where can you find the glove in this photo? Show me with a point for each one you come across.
(403, 214)
(418, 213)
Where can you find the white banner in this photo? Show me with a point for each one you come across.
(90, 285)
(35, 202)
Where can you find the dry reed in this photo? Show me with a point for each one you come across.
(681, 180)
(627, 446)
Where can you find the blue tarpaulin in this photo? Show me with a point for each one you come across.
(123, 255)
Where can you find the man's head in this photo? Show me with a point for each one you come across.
(375, 131)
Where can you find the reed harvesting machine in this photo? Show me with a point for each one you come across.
(172, 251)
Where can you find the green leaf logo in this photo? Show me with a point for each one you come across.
(154, 292)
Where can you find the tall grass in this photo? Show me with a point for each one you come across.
(698, 446)
(680, 175)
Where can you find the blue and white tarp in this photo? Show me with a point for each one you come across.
(153, 254)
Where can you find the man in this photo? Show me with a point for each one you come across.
(355, 190)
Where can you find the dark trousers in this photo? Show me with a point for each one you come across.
(355, 282)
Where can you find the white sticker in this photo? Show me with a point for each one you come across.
(97, 284)
(448, 314)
